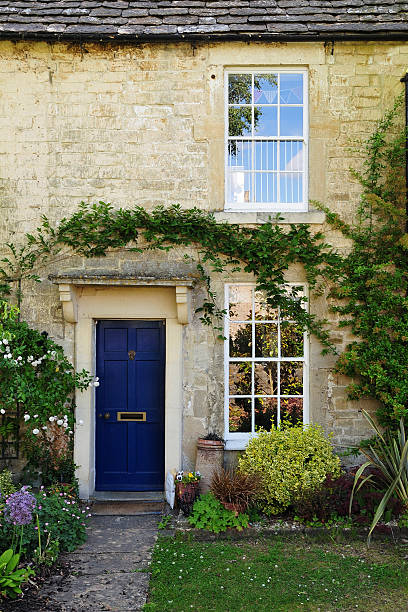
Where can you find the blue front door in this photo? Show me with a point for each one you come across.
(130, 405)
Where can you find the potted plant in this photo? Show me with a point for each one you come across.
(234, 489)
(210, 458)
(187, 489)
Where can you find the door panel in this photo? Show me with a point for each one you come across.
(130, 366)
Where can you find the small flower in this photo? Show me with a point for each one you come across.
(5, 341)
(2, 411)
(60, 422)
(44, 427)
(36, 431)
(51, 419)
(35, 416)
(96, 384)
(19, 358)
(26, 417)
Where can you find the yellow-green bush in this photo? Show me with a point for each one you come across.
(289, 460)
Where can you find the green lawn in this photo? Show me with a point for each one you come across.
(277, 574)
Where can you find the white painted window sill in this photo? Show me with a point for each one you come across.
(236, 444)
(316, 217)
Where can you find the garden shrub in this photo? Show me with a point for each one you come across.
(60, 518)
(289, 460)
(209, 513)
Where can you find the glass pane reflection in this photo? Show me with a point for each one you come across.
(240, 343)
(240, 414)
(266, 412)
(291, 88)
(239, 88)
(265, 89)
(266, 340)
(266, 378)
(291, 378)
(291, 340)
(292, 410)
(240, 378)
(240, 302)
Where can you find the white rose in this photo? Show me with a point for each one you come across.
(36, 431)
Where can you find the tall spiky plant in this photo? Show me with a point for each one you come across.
(389, 456)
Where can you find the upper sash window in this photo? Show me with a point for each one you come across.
(266, 140)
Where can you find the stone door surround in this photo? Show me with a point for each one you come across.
(87, 298)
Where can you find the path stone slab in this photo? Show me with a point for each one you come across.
(94, 564)
(114, 541)
(116, 593)
(146, 522)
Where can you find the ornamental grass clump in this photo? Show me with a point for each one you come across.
(234, 489)
(289, 460)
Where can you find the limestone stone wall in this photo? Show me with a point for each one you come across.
(144, 124)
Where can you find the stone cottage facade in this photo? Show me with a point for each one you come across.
(242, 108)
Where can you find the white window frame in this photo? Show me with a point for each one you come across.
(272, 206)
(239, 440)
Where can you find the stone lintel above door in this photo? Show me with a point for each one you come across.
(67, 284)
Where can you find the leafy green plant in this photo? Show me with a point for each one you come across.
(389, 457)
(6, 484)
(37, 384)
(11, 578)
(288, 460)
(164, 522)
(209, 513)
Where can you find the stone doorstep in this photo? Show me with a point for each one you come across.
(126, 508)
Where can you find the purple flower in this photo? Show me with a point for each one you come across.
(19, 507)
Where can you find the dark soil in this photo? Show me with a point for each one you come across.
(34, 599)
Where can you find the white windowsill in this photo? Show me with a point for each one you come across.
(236, 443)
(314, 217)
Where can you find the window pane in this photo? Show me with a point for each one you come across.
(240, 154)
(291, 340)
(265, 155)
(240, 378)
(292, 410)
(240, 413)
(266, 186)
(265, 121)
(239, 120)
(291, 156)
(265, 89)
(291, 188)
(240, 302)
(291, 121)
(263, 310)
(240, 340)
(291, 88)
(266, 378)
(291, 378)
(239, 188)
(239, 88)
(266, 340)
(266, 412)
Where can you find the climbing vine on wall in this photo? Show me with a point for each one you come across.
(368, 284)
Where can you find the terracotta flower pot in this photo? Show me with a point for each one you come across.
(235, 507)
(210, 458)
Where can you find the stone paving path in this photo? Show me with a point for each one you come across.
(107, 570)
